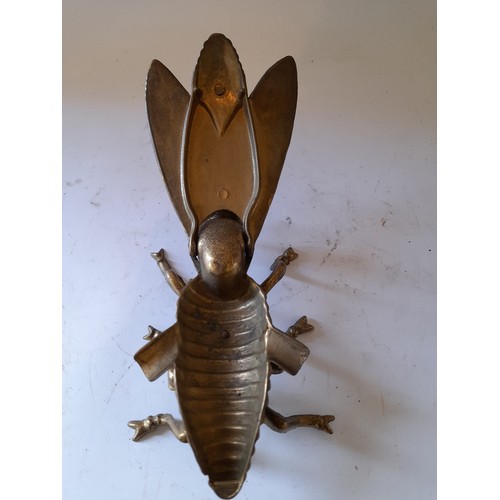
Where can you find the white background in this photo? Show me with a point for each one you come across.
(357, 200)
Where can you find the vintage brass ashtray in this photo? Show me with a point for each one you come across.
(221, 154)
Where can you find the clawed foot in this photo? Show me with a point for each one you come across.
(324, 423)
(142, 427)
(152, 333)
(286, 257)
(299, 327)
(159, 256)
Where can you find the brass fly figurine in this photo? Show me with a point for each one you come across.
(221, 154)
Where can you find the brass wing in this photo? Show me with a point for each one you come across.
(272, 103)
(167, 102)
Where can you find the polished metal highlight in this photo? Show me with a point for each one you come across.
(221, 154)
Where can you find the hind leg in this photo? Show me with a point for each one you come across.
(279, 423)
(144, 427)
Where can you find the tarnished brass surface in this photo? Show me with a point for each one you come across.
(221, 155)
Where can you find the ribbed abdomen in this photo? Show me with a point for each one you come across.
(222, 373)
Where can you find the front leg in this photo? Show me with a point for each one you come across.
(176, 283)
(279, 423)
(278, 269)
(144, 427)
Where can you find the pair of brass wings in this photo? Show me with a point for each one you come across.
(219, 149)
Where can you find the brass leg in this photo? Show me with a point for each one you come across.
(278, 269)
(279, 423)
(176, 283)
(143, 427)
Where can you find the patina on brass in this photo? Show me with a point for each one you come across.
(221, 154)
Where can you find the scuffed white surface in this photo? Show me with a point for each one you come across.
(356, 200)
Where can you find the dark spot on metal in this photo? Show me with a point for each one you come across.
(219, 89)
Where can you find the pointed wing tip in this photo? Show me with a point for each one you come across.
(287, 61)
(218, 35)
(155, 67)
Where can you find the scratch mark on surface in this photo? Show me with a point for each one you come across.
(117, 382)
(90, 374)
(94, 201)
(119, 347)
(313, 188)
(382, 403)
(333, 248)
(76, 181)
(282, 299)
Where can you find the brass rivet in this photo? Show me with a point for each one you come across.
(223, 194)
(219, 89)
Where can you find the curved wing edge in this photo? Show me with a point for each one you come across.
(273, 104)
(167, 102)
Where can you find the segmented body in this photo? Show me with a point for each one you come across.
(222, 377)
